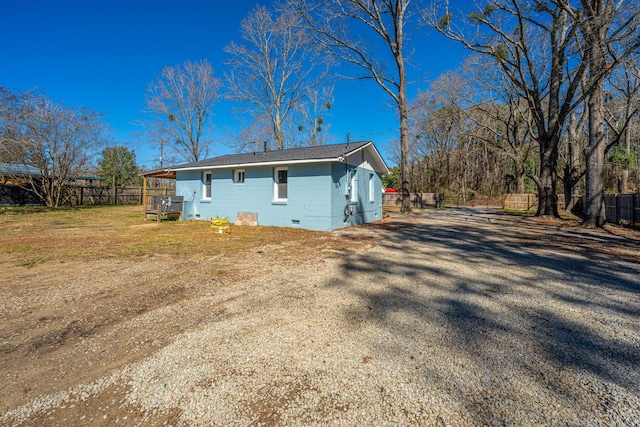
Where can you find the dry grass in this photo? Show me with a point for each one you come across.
(41, 235)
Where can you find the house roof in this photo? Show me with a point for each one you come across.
(314, 154)
(18, 169)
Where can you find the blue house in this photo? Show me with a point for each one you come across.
(316, 188)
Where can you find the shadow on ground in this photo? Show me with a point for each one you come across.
(533, 312)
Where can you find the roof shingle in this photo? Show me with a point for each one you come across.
(318, 152)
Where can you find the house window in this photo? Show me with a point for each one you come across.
(238, 176)
(372, 193)
(206, 185)
(280, 176)
(353, 187)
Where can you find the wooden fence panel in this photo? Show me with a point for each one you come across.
(91, 195)
(526, 202)
(610, 208)
(624, 205)
(520, 202)
(84, 195)
(622, 208)
(13, 195)
(417, 200)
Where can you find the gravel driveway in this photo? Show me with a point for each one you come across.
(454, 317)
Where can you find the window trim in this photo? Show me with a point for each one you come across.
(276, 193)
(372, 193)
(353, 185)
(236, 175)
(204, 185)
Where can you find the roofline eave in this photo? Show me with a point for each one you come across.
(273, 163)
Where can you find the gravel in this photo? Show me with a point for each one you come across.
(450, 318)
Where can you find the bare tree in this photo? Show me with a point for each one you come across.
(500, 118)
(531, 45)
(254, 135)
(58, 141)
(274, 69)
(181, 102)
(312, 115)
(624, 84)
(436, 127)
(338, 24)
(574, 169)
(610, 33)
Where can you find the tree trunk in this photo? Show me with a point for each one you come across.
(278, 133)
(403, 110)
(521, 174)
(113, 183)
(572, 168)
(624, 181)
(594, 211)
(404, 162)
(547, 180)
(520, 184)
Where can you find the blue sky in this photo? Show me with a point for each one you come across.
(102, 55)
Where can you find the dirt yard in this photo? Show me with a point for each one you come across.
(76, 286)
(87, 293)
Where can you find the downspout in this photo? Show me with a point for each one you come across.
(348, 209)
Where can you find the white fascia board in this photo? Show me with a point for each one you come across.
(245, 165)
(381, 163)
(358, 149)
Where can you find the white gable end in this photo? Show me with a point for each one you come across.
(367, 159)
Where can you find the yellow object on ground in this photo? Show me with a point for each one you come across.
(220, 224)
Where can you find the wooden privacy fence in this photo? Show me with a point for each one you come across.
(619, 208)
(82, 195)
(526, 202)
(129, 195)
(11, 195)
(622, 208)
(418, 200)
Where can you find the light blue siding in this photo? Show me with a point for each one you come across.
(308, 202)
(363, 209)
(317, 195)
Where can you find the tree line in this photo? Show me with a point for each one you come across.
(472, 135)
(547, 101)
(556, 58)
(46, 146)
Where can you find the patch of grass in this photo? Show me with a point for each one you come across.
(21, 210)
(529, 212)
(30, 263)
(107, 231)
(17, 249)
